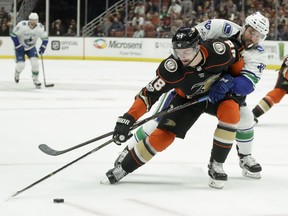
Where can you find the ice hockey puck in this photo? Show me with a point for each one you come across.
(58, 200)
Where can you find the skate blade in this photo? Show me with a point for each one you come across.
(218, 184)
(105, 181)
(246, 173)
(38, 86)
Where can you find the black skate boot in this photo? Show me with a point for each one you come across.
(217, 175)
(121, 156)
(114, 175)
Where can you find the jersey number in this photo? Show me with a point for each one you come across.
(158, 85)
(232, 47)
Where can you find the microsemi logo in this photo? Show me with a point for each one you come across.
(100, 43)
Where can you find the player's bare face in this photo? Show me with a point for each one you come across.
(32, 23)
(186, 55)
(251, 37)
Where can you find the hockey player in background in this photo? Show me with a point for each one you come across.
(274, 96)
(193, 70)
(24, 36)
(252, 34)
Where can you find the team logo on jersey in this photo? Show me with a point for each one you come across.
(227, 29)
(219, 48)
(170, 123)
(170, 65)
(201, 75)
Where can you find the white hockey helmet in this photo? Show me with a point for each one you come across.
(33, 16)
(258, 22)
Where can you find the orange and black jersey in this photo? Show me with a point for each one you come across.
(189, 82)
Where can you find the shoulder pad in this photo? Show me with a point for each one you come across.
(227, 29)
(170, 65)
(219, 47)
(168, 69)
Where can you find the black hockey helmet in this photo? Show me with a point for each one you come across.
(185, 37)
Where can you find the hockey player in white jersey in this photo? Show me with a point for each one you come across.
(252, 34)
(24, 36)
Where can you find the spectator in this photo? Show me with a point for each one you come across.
(152, 7)
(98, 32)
(187, 6)
(165, 28)
(140, 9)
(71, 31)
(4, 30)
(104, 28)
(57, 28)
(3, 13)
(139, 32)
(115, 26)
(73, 25)
(164, 11)
(174, 8)
(129, 18)
(137, 20)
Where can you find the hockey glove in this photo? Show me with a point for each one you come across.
(42, 50)
(122, 129)
(284, 68)
(219, 89)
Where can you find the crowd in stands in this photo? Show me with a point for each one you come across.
(161, 18)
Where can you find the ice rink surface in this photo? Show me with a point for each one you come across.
(87, 99)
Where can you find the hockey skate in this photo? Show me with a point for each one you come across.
(217, 175)
(250, 168)
(17, 77)
(121, 156)
(114, 175)
(36, 82)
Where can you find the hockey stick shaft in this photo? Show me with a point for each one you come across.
(48, 150)
(44, 76)
(61, 168)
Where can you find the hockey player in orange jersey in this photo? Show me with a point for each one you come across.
(193, 70)
(274, 96)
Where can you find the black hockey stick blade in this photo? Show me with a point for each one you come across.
(48, 150)
(49, 85)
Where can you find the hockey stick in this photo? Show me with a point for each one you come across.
(48, 150)
(44, 77)
(61, 168)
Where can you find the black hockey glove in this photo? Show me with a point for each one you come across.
(122, 129)
(219, 89)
